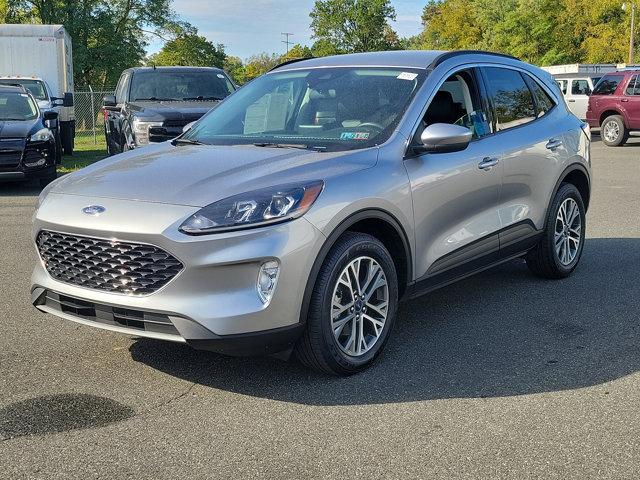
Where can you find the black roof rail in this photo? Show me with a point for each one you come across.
(447, 55)
(289, 62)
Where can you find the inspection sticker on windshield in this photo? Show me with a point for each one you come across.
(219, 75)
(354, 136)
(407, 76)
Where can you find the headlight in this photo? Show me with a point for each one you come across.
(141, 130)
(43, 135)
(254, 209)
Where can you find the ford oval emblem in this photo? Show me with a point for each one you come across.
(94, 210)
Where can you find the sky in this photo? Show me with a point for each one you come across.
(248, 27)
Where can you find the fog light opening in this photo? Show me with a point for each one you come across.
(267, 280)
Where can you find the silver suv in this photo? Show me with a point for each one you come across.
(296, 214)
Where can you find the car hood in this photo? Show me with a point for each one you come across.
(17, 129)
(198, 175)
(173, 109)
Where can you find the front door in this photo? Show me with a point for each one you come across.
(631, 102)
(578, 97)
(455, 194)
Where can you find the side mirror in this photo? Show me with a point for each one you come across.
(50, 116)
(67, 99)
(444, 137)
(187, 127)
(109, 101)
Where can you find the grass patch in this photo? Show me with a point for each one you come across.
(86, 151)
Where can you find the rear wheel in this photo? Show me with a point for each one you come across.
(352, 308)
(559, 251)
(67, 132)
(613, 131)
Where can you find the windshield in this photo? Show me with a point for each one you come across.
(327, 109)
(36, 87)
(188, 85)
(17, 106)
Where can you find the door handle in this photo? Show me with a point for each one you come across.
(487, 163)
(554, 143)
(624, 100)
(571, 100)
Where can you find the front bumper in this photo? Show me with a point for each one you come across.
(213, 302)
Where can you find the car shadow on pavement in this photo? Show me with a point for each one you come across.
(20, 189)
(500, 333)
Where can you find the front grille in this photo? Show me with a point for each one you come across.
(112, 266)
(108, 315)
(10, 152)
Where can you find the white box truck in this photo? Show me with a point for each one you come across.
(39, 57)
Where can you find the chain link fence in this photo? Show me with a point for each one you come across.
(89, 115)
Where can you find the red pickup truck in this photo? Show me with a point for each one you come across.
(614, 106)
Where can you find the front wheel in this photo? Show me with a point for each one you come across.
(352, 309)
(559, 251)
(613, 131)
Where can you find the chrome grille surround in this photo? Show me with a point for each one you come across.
(111, 266)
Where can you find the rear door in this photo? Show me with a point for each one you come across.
(631, 102)
(577, 97)
(526, 125)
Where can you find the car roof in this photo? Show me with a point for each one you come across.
(422, 59)
(12, 88)
(174, 69)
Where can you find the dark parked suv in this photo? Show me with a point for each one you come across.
(614, 106)
(153, 104)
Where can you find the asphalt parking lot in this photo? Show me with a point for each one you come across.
(500, 376)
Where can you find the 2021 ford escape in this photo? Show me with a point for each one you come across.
(297, 213)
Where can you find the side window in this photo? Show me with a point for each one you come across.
(544, 102)
(580, 87)
(512, 99)
(563, 86)
(458, 102)
(634, 86)
(607, 85)
(121, 89)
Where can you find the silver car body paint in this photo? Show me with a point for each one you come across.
(442, 201)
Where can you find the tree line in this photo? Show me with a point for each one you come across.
(111, 35)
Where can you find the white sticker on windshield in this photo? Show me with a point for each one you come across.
(219, 75)
(407, 76)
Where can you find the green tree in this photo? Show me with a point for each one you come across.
(234, 67)
(108, 35)
(260, 64)
(353, 25)
(295, 52)
(189, 49)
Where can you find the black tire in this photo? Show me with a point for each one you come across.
(543, 260)
(67, 131)
(618, 123)
(317, 348)
(44, 181)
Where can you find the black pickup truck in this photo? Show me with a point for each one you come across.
(153, 104)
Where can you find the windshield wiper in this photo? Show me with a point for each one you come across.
(316, 148)
(200, 97)
(186, 141)
(156, 99)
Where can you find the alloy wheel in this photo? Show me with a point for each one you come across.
(359, 306)
(611, 131)
(568, 231)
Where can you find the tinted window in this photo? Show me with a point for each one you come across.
(512, 99)
(579, 87)
(607, 85)
(179, 85)
(121, 88)
(544, 102)
(634, 86)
